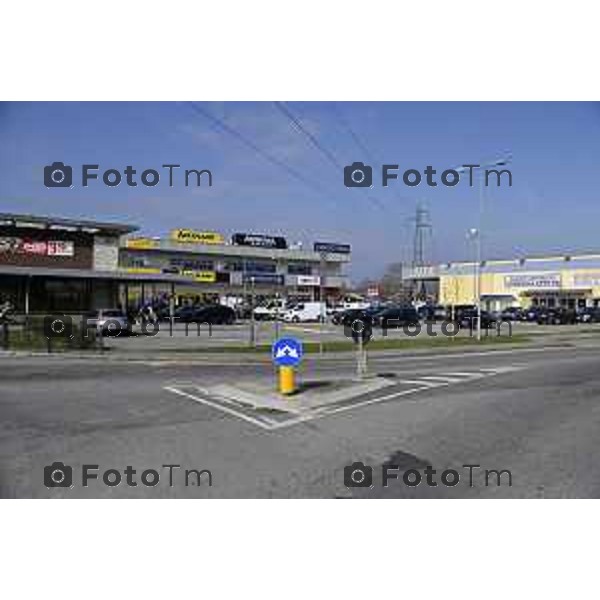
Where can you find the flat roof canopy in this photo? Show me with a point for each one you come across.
(58, 223)
(117, 275)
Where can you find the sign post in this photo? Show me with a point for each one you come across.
(287, 354)
(362, 332)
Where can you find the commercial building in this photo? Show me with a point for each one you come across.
(206, 263)
(71, 265)
(56, 264)
(571, 281)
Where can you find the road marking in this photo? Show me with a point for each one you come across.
(425, 384)
(445, 379)
(420, 384)
(265, 423)
(307, 330)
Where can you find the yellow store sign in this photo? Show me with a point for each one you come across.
(141, 243)
(143, 270)
(205, 276)
(189, 236)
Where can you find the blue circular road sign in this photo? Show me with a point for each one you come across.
(287, 352)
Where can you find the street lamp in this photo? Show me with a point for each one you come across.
(476, 234)
(322, 312)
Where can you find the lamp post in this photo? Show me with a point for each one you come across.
(476, 234)
(322, 312)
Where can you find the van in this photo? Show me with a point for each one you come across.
(304, 312)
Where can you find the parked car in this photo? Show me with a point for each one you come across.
(346, 317)
(557, 316)
(110, 322)
(304, 312)
(396, 317)
(468, 318)
(431, 312)
(214, 314)
(270, 310)
(512, 313)
(531, 314)
(589, 314)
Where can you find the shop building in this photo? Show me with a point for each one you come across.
(56, 264)
(53, 264)
(209, 264)
(552, 281)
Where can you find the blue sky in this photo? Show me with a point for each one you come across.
(552, 206)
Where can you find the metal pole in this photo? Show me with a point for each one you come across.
(323, 257)
(252, 321)
(479, 252)
(478, 283)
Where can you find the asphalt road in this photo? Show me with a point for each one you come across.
(535, 413)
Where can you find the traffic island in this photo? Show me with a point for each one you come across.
(310, 395)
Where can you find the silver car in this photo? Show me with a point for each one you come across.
(109, 321)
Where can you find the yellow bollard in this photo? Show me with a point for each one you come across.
(287, 380)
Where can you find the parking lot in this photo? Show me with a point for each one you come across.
(191, 336)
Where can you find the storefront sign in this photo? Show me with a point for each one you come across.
(309, 280)
(263, 278)
(141, 243)
(545, 281)
(258, 240)
(586, 281)
(332, 247)
(189, 236)
(15, 245)
(205, 276)
(142, 270)
(58, 248)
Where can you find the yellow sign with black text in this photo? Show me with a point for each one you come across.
(205, 276)
(190, 236)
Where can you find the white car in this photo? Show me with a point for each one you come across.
(304, 312)
(270, 310)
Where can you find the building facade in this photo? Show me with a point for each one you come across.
(552, 281)
(53, 264)
(250, 264)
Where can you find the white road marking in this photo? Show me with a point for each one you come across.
(424, 384)
(421, 384)
(265, 423)
(307, 330)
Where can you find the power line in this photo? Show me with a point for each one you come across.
(311, 138)
(357, 140)
(286, 111)
(262, 153)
